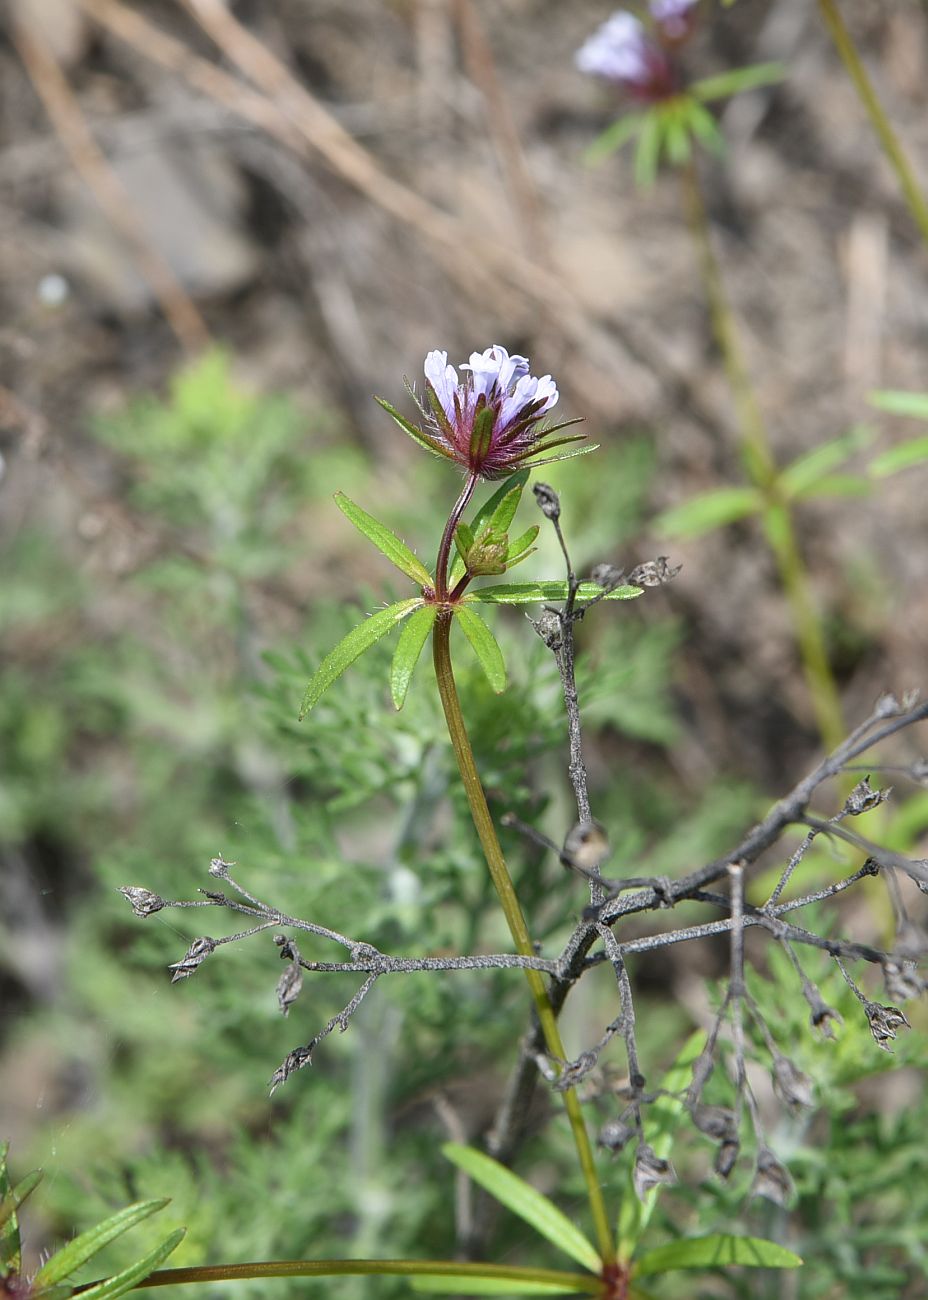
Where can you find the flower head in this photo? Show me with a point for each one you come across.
(674, 20)
(621, 50)
(490, 420)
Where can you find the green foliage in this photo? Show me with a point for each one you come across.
(720, 1250)
(54, 1280)
(667, 130)
(358, 640)
(396, 551)
(485, 647)
(525, 1201)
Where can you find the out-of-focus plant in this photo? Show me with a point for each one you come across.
(830, 11)
(645, 63)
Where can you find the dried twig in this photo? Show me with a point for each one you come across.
(62, 107)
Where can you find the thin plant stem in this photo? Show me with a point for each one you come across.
(762, 470)
(486, 832)
(831, 16)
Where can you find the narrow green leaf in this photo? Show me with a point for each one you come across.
(913, 452)
(647, 152)
(837, 485)
(354, 644)
(485, 514)
(485, 647)
(523, 1199)
(710, 510)
(806, 470)
(77, 1252)
(505, 512)
(738, 81)
(614, 136)
(16, 1196)
(466, 1275)
(896, 402)
(527, 593)
(408, 649)
(719, 1251)
(396, 551)
(130, 1277)
(438, 1285)
(10, 1245)
(522, 547)
(676, 140)
(417, 435)
(662, 1119)
(704, 127)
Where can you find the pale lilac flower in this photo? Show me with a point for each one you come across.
(674, 19)
(490, 419)
(621, 50)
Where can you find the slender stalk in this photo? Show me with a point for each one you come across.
(505, 889)
(831, 16)
(444, 549)
(762, 470)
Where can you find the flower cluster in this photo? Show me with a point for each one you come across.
(490, 421)
(640, 60)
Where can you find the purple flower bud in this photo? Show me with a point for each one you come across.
(622, 51)
(674, 19)
(491, 419)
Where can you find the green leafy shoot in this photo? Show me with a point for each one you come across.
(737, 81)
(663, 1118)
(526, 1201)
(396, 551)
(352, 646)
(408, 649)
(77, 1252)
(485, 647)
(803, 475)
(528, 593)
(130, 1277)
(720, 1251)
(487, 513)
(708, 511)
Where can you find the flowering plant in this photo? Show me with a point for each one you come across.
(643, 61)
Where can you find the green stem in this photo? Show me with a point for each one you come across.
(505, 889)
(762, 470)
(831, 16)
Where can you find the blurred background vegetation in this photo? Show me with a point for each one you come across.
(174, 568)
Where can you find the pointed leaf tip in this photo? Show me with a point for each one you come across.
(386, 541)
(408, 649)
(526, 1201)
